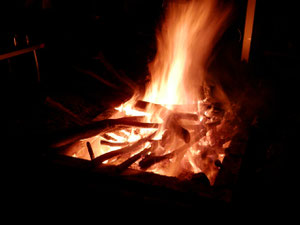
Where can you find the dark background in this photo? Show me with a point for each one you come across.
(124, 32)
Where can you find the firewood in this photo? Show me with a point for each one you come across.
(131, 123)
(121, 134)
(97, 128)
(186, 116)
(108, 137)
(157, 108)
(166, 138)
(142, 105)
(103, 142)
(181, 132)
(178, 110)
(151, 160)
(97, 161)
(172, 120)
(136, 157)
(183, 107)
(90, 150)
(163, 111)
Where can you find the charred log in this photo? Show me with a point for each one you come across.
(136, 157)
(90, 150)
(151, 160)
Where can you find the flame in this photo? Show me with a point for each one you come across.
(179, 70)
(184, 44)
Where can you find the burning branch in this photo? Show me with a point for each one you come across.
(113, 144)
(153, 159)
(97, 128)
(136, 157)
(172, 118)
(97, 161)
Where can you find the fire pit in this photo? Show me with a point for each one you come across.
(182, 127)
(182, 132)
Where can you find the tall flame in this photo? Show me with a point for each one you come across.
(184, 44)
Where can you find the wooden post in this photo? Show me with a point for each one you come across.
(248, 30)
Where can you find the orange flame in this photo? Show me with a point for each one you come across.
(184, 45)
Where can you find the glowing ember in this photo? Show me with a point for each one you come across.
(194, 129)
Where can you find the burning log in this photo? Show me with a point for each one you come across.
(167, 137)
(90, 150)
(151, 160)
(143, 105)
(136, 157)
(121, 134)
(183, 107)
(97, 161)
(186, 116)
(97, 128)
(181, 132)
(112, 144)
(108, 137)
(172, 118)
